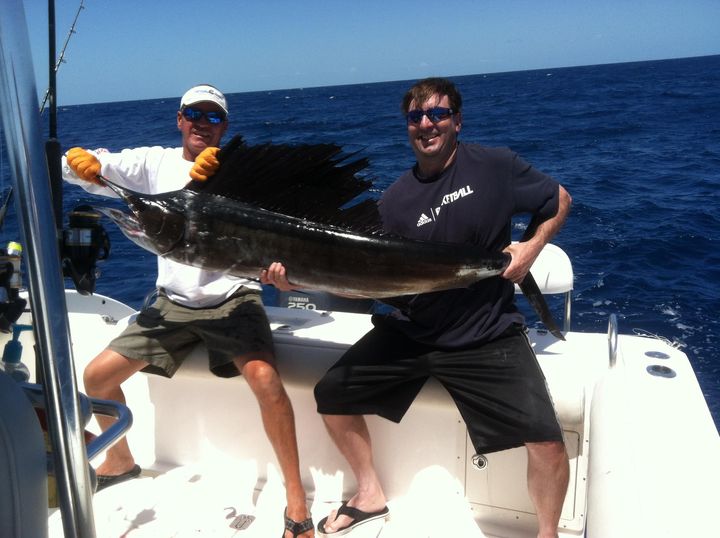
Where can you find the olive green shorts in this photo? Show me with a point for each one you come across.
(164, 333)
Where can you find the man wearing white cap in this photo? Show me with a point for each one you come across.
(193, 305)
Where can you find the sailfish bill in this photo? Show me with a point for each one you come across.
(230, 224)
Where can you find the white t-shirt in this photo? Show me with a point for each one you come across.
(153, 170)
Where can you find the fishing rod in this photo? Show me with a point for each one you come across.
(50, 92)
(85, 241)
(52, 146)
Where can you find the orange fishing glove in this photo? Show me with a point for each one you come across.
(84, 164)
(206, 164)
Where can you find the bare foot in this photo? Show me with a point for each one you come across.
(114, 468)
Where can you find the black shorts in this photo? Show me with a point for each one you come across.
(498, 387)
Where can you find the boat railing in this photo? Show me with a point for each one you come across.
(89, 407)
(29, 170)
(612, 340)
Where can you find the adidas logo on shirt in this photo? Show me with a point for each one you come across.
(424, 219)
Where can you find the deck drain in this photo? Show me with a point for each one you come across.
(661, 371)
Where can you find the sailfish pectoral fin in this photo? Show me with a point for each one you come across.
(535, 297)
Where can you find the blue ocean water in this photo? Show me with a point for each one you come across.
(637, 145)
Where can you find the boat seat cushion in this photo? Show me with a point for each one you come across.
(23, 465)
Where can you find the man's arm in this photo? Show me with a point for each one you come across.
(536, 237)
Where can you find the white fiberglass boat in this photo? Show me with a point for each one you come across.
(643, 447)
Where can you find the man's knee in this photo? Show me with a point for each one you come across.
(259, 372)
(91, 377)
(549, 451)
(264, 380)
(95, 373)
(107, 371)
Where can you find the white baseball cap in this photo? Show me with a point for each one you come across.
(204, 93)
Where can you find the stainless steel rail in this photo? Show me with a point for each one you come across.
(92, 406)
(612, 340)
(21, 128)
(568, 311)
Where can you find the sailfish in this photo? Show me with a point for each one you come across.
(298, 204)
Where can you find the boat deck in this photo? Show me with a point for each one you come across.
(207, 463)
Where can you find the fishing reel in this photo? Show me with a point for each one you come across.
(11, 304)
(84, 243)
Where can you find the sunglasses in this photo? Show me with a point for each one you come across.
(434, 114)
(194, 114)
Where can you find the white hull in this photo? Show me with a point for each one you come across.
(643, 449)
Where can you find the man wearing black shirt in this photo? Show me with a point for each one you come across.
(471, 340)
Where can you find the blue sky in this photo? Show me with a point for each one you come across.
(141, 49)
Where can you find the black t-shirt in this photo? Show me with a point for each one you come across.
(472, 202)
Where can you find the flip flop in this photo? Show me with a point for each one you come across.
(297, 528)
(358, 516)
(105, 481)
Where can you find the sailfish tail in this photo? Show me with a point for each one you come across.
(535, 297)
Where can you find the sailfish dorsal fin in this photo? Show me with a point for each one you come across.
(316, 182)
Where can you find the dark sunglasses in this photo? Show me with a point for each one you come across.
(194, 114)
(434, 114)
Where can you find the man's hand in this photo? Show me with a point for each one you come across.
(84, 164)
(523, 256)
(276, 275)
(534, 240)
(206, 164)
